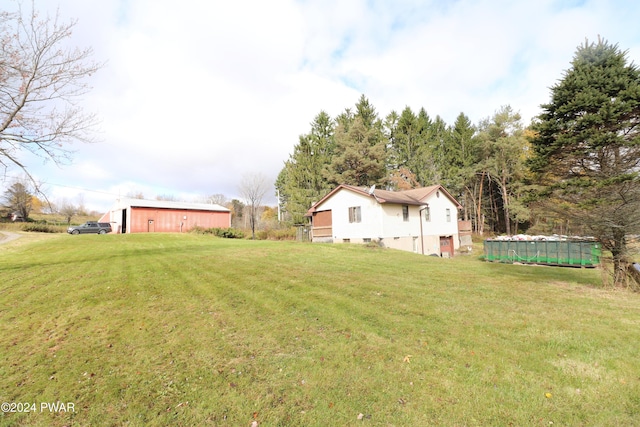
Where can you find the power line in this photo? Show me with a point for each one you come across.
(79, 188)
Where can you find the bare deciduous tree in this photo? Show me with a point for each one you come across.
(68, 210)
(217, 199)
(253, 188)
(41, 82)
(135, 194)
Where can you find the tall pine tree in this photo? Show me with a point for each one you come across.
(461, 158)
(301, 182)
(587, 148)
(360, 148)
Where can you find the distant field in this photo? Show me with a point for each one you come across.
(51, 223)
(188, 330)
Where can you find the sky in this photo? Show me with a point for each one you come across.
(198, 94)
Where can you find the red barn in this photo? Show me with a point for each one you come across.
(155, 216)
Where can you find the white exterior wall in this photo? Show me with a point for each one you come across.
(385, 222)
(394, 224)
(400, 234)
(370, 214)
(439, 225)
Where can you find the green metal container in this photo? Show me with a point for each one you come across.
(570, 253)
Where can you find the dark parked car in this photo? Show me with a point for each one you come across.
(90, 227)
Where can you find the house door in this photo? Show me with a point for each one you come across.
(152, 227)
(446, 246)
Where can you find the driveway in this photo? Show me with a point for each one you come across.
(7, 236)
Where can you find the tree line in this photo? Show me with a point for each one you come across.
(482, 165)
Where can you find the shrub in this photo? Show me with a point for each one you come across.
(276, 234)
(199, 230)
(227, 233)
(41, 228)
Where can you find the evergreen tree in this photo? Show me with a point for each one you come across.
(461, 157)
(358, 158)
(405, 142)
(438, 135)
(301, 182)
(416, 145)
(360, 148)
(427, 168)
(367, 113)
(587, 147)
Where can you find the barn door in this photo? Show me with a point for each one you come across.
(124, 220)
(151, 228)
(446, 246)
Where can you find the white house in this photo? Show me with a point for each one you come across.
(422, 220)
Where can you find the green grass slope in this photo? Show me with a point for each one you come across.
(155, 330)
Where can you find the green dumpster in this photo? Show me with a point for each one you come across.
(569, 253)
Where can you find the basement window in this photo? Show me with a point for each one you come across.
(354, 214)
(346, 240)
(366, 240)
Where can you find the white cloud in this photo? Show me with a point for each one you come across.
(195, 94)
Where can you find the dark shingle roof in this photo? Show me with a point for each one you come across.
(414, 196)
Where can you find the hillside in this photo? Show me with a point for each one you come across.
(194, 330)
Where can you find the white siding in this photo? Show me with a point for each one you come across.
(394, 224)
(385, 222)
(371, 220)
(439, 224)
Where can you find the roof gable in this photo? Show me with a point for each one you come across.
(415, 196)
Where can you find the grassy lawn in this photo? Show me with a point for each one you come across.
(193, 330)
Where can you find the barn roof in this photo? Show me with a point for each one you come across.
(164, 204)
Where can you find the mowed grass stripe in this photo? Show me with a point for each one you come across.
(192, 330)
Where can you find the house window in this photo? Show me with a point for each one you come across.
(448, 215)
(427, 214)
(405, 213)
(354, 214)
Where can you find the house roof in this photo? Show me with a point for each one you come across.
(164, 204)
(415, 196)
